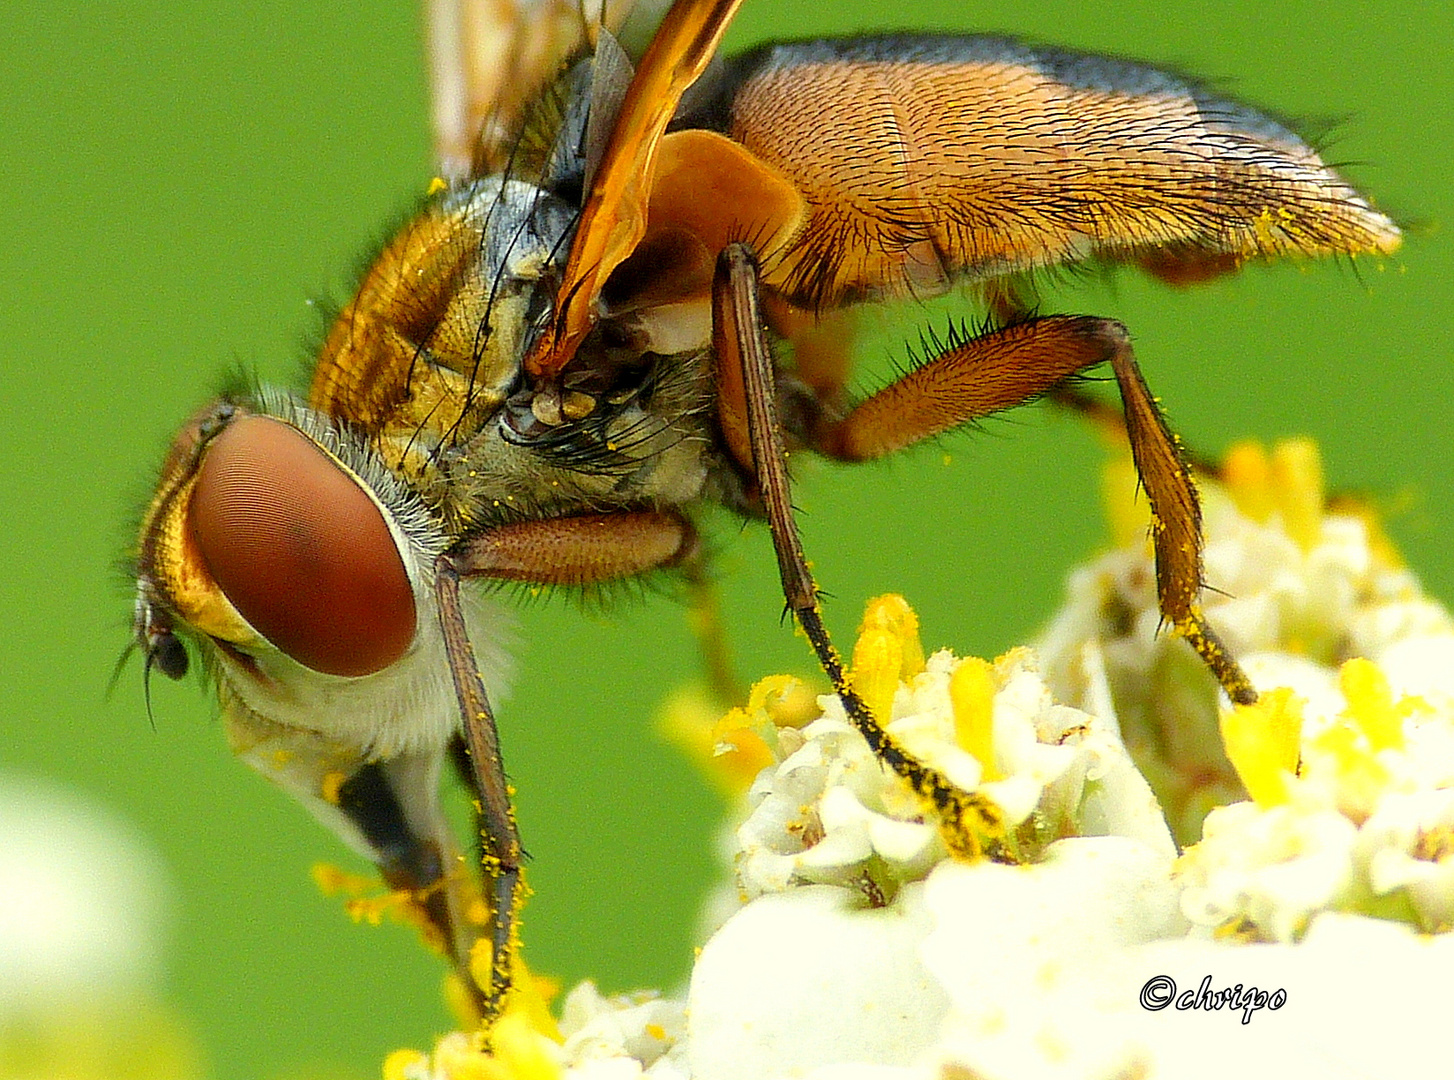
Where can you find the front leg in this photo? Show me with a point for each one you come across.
(571, 551)
(495, 818)
(582, 549)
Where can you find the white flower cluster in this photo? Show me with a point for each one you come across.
(1303, 936)
(645, 1029)
(828, 811)
(625, 1037)
(1105, 957)
(1295, 590)
(1367, 826)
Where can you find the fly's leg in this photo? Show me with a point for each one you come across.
(569, 551)
(972, 825)
(978, 376)
(1176, 524)
(500, 838)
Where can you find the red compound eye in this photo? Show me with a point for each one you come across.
(301, 550)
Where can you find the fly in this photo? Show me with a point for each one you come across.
(626, 301)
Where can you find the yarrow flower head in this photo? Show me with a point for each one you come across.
(1357, 815)
(826, 811)
(1298, 584)
(859, 939)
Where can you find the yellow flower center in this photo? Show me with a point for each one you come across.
(1262, 741)
(972, 698)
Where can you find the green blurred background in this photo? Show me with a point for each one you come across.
(181, 180)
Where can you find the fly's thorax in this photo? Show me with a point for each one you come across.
(430, 346)
(303, 569)
(427, 363)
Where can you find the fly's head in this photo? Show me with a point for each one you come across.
(302, 571)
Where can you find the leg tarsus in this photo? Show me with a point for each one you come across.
(1176, 519)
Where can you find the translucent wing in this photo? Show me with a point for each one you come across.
(489, 59)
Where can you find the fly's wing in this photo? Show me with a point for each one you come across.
(924, 159)
(614, 212)
(490, 60)
(487, 60)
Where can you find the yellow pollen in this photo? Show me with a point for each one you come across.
(1262, 742)
(893, 614)
(972, 697)
(1370, 705)
(329, 787)
(373, 909)
(333, 880)
(435, 187)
